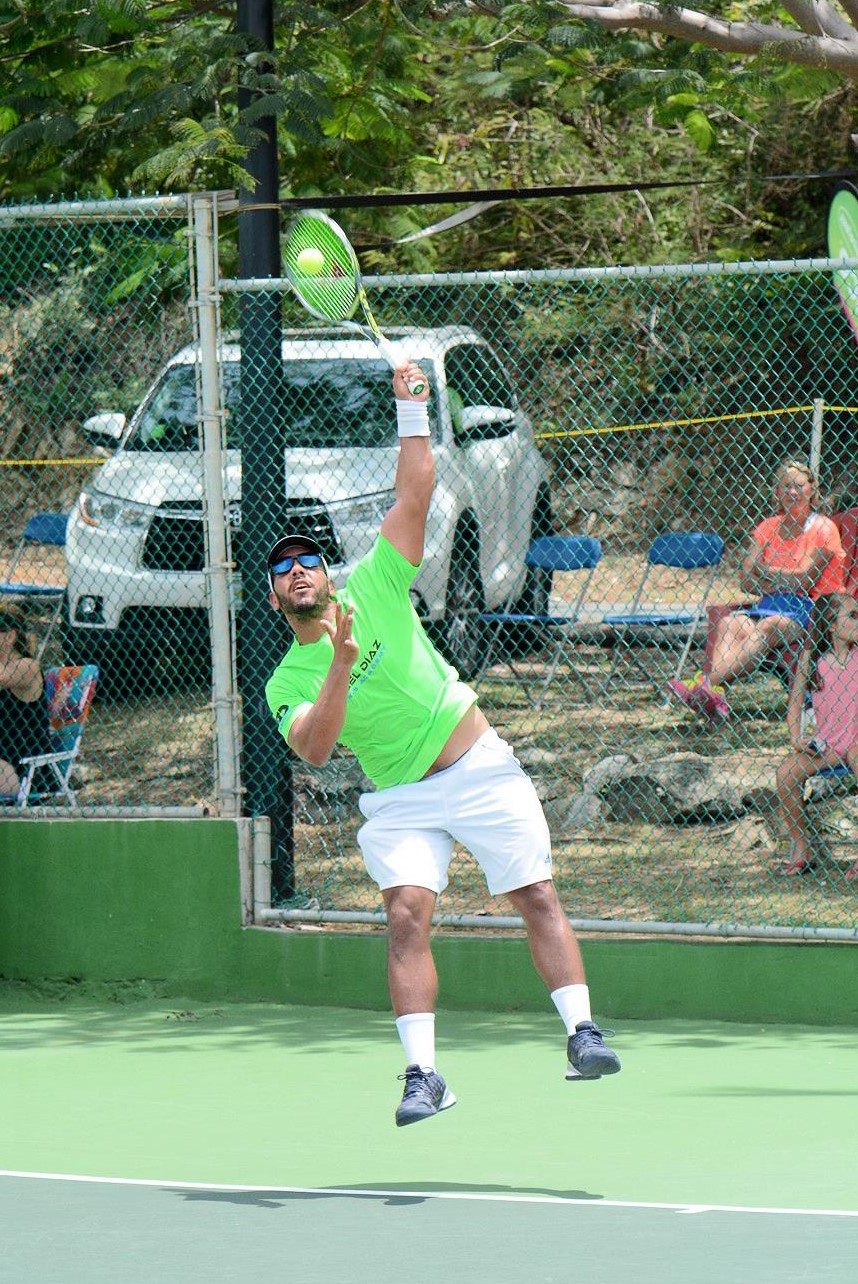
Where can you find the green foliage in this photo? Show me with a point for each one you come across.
(201, 149)
(379, 96)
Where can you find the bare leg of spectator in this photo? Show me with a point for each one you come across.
(741, 642)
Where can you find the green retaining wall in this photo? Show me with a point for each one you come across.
(157, 902)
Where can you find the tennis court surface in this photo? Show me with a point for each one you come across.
(152, 1140)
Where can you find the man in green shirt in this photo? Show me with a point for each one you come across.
(362, 672)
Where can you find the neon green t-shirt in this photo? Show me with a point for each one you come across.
(404, 700)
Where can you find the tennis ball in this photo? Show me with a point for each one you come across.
(310, 261)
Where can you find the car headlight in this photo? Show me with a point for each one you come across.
(364, 510)
(96, 509)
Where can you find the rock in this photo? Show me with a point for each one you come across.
(569, 815)
(337, 785)
(678, 789)
(607, 769)
(531, 757)
(762, 798)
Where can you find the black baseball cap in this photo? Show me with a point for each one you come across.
(287, 541)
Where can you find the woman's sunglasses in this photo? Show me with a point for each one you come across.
(308, 560)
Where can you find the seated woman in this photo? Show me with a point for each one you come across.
(793, 558)
(828, 670)
(24, 727)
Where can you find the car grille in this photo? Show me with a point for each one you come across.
(176, 539)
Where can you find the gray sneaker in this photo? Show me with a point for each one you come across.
(424, 1095)
(587, 1055)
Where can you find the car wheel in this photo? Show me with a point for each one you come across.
(462, 640)
(162, 656)
(535, 596)
(536, 593)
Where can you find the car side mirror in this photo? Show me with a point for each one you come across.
(105, 429)
(485, 423)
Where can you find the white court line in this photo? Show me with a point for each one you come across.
(485, 1197)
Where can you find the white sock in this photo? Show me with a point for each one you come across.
(573, 1004)
(417, 1032)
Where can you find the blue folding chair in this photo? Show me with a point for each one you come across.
(556, 629)
(46, 530)
(699, 553)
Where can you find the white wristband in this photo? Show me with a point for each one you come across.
(412, 418)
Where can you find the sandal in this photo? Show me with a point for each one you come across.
(802, 865)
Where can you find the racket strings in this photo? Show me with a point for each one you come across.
(332, 292)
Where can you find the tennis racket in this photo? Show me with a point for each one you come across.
(843, 241)
(323, 270)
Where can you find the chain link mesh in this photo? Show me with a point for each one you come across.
(94, 302)
(660, 401)
(615, 405)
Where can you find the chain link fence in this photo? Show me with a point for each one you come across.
(94, 302)
(614, 405)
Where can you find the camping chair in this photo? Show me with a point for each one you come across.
(47, 530)
(556, 629)
(782, 660)
(699, 553)
(847, 524)
(68, 691)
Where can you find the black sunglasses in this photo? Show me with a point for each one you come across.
(308, 560)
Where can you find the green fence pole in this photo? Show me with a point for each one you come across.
(265, 767)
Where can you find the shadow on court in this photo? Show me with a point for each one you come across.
(95, 1233)
(387, 1194)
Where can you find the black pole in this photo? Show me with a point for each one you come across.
(266, 770)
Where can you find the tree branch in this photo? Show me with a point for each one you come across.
(818, 18)
(744, 38)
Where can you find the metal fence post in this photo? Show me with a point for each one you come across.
(204, 302)
(816, 435)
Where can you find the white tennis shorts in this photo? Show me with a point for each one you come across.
(485, 801)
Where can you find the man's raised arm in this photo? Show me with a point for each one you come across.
(404, 526)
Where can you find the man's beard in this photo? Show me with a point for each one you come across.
(306, 610)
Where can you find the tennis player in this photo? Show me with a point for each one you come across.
(362, 672)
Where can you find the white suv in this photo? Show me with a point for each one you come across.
(135, 545)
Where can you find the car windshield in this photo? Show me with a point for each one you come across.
(325, 402)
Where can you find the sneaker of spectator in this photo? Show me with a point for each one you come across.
(699, 695)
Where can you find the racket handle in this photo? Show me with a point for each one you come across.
(394, 358)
